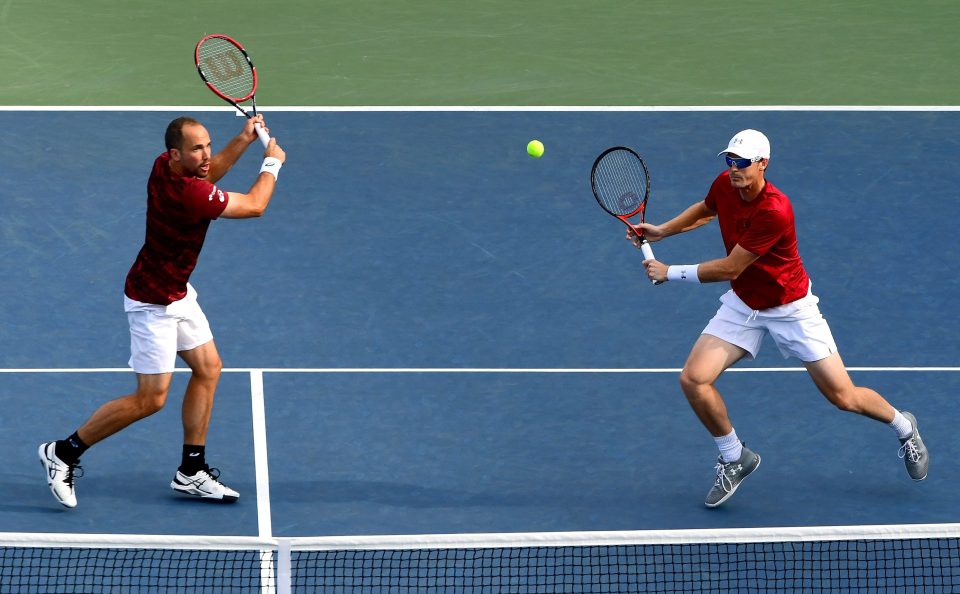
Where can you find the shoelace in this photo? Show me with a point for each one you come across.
(213, 473)
(909, 448)
(722, 481)
(73, 474)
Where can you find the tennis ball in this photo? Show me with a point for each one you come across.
(535, 148)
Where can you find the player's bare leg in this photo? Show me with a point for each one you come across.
(204, 362)
(834, 382)
(61, 459)
(195, 477)
(709, 358)
(117, 414)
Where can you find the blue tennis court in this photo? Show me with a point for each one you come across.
(453, 338)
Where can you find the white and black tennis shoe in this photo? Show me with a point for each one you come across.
(60, 475)
(205, 484)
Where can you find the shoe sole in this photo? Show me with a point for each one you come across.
(42, 452)
(734, 489)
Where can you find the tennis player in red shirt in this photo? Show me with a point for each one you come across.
(770, 294)
(162, 309)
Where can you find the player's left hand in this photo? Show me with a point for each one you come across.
(656, 271)
(249, 132)
(637, 233)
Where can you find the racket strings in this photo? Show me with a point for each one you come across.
(620, 183)
(226, 68)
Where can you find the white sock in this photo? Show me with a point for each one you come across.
(901, 425)
(730, 447)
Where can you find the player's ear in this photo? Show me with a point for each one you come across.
(174, 154)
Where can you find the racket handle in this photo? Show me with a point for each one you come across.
(264, 137)
(646, 249)
(647, 255)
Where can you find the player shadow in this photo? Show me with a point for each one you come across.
(23, 494)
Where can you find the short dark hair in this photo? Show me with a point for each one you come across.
(174, 135)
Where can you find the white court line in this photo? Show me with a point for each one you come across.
(264, 522)
(262, 370)
(264, 519)
(488, 108)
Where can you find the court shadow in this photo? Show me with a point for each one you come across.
(396, 494)
(493, 495)
(21, 494)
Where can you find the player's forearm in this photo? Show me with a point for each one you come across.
(717, 271)
(221, 163)
(261, 192)
(696, 215)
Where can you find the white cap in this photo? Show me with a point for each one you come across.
(748, 144)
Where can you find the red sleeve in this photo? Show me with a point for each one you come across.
(714, 192)
(205, 200)
(766, 228)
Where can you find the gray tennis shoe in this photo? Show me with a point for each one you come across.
(730, 475)
(913, 452)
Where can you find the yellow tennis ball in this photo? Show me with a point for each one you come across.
(535, 148)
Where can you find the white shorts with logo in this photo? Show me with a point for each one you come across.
(798, 327)
(159, 332)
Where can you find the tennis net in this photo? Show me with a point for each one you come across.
(875, 559)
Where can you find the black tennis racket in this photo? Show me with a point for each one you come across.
(621, 184)
(229, 72)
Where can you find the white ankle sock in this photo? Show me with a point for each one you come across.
(730, 446)
(901, 425)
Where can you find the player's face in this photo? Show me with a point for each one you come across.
(747, 176)
(194, 154)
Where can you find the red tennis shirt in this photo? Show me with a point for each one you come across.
(763, 226)
(179, 210)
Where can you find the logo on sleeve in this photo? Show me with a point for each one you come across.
(216, 191)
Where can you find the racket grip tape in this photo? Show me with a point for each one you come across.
(264, 137)
(647, 255)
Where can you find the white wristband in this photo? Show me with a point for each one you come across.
(272, 166)
(683, 272)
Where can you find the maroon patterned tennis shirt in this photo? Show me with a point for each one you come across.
(179, 211)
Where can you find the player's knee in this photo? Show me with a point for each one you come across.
(151, 401)
(845, 400)
(210, 370)
(690, 383)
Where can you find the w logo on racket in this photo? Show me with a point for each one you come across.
(228, 71)
(224, 66)
(628, 201)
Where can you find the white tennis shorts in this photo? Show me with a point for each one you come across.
(159, 332)
(798, 327)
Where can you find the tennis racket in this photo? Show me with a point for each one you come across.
(621, 184)
(229, 72)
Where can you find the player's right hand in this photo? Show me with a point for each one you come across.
(248, 127)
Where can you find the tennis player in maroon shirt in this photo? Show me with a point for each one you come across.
(162, 309)
(770, 294)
